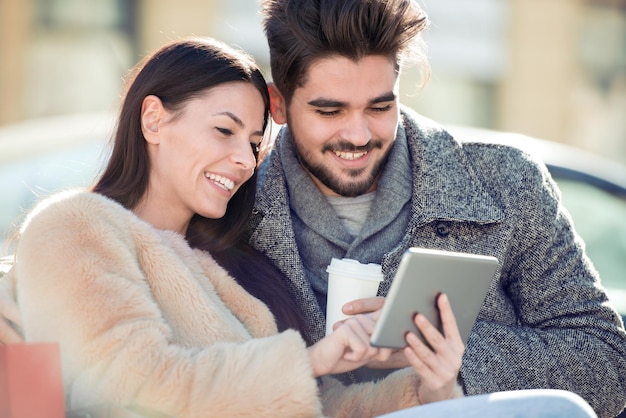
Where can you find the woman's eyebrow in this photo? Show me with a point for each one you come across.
(238, 121)
(232, 116)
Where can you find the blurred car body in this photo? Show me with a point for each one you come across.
(44, 156)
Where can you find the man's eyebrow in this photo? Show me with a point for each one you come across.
(387, 97)
(238, 121)
(322, 102)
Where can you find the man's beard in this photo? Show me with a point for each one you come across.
(346, 188)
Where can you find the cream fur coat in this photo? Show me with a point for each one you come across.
(144, 321)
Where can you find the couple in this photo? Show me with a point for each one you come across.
(131, 277)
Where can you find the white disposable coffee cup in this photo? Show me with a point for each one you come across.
(349, 280)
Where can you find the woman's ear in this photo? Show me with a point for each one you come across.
(277, 105)
(151, 113)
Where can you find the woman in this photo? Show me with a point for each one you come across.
(146, 319)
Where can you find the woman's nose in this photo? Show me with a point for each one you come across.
(244, 157)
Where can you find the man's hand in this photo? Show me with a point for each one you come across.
(363, 306)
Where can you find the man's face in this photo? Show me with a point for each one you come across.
(344, 120)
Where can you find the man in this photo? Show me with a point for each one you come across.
(354, 174)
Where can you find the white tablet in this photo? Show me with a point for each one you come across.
(422, 275)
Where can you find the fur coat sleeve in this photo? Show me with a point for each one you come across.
(396, 391)
(144, 321)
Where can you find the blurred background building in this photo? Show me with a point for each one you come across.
(555, 69)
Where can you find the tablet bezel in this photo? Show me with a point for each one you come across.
(421, 276)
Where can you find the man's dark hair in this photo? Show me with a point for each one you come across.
(301, 31)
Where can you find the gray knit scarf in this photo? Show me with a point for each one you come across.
(319, 232)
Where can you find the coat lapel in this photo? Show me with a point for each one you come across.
(444, 186)
(271, 233)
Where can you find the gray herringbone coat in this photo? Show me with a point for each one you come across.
(545, 323)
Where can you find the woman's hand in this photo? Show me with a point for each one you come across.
(438, 367)
(396, 360)
(348, 347)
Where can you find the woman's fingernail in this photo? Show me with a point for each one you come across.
(348, 308)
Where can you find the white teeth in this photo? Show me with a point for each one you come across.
(349, 155)
(226, 183)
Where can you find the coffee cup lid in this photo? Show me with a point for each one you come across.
(350, 267)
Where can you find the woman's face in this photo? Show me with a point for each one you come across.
(201, 154)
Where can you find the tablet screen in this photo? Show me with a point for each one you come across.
(422, 275)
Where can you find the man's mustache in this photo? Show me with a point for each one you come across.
(344, 146)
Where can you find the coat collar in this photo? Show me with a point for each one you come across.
(445, 186)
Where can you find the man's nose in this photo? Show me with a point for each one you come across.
(357, 130)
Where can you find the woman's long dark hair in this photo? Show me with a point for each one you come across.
(176, 73)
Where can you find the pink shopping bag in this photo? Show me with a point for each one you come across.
(31, 385)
